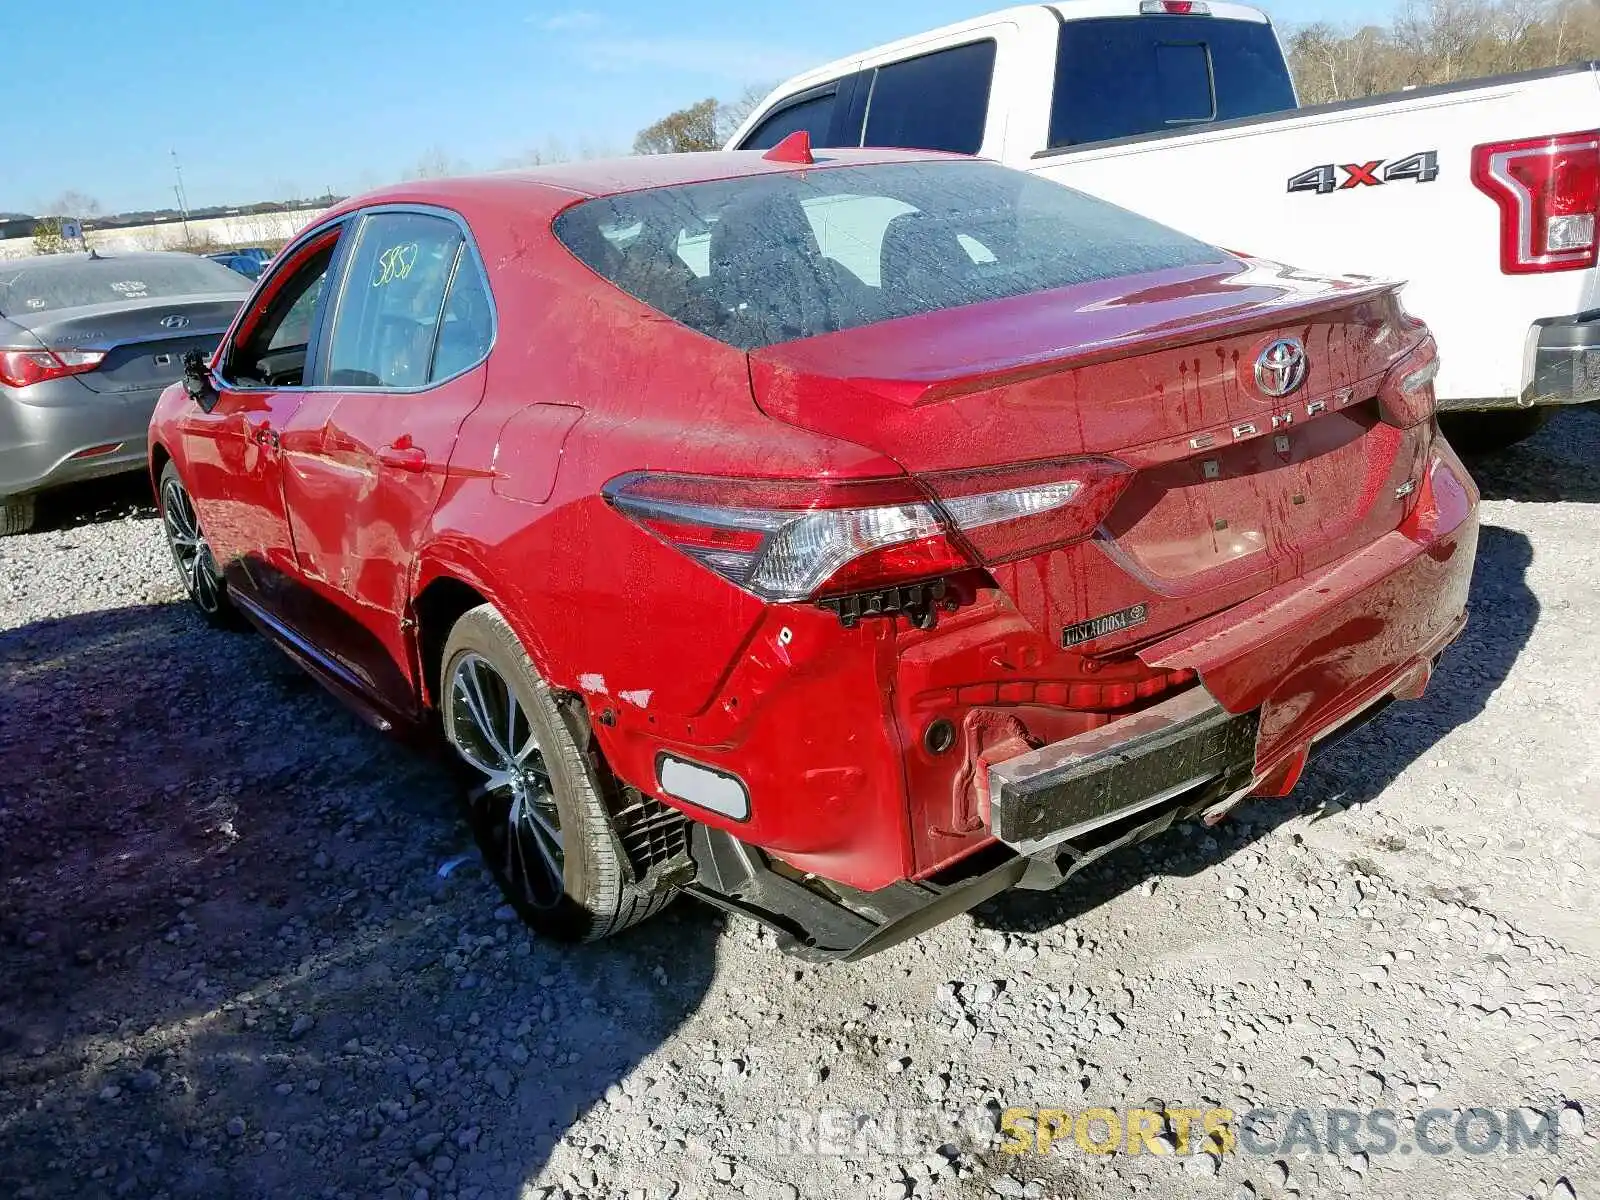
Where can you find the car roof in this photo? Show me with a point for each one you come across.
(565, 182)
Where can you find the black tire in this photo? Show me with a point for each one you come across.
(16, 515)
(1475, 433)
(544, 775)
(191, 553)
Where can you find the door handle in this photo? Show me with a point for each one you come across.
(404, 455)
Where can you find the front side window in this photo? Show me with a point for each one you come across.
(1126, 76)
(938, 101)
(389, 314)
(772, 258)
(273, 352)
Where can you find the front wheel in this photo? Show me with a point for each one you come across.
(538, 811)
(1496, 429)
(191, 553)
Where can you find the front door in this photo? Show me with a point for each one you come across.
(235, 451)
(403, 368)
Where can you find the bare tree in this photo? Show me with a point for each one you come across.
(436, 163)
(1440, 41)
(732, 114)
(73, 204)
(555, 150)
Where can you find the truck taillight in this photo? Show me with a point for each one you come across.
(1548, 190)
(1407, 395)
(24, 368)
(1175, 8)
(795, 540)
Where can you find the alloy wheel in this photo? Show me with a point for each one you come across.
(514, 809)
(190, 550)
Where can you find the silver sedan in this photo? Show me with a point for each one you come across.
(87, 343)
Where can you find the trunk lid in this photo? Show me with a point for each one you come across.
(1233, 490)
(144, 341)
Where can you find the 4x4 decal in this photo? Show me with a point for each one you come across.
(1323, 180)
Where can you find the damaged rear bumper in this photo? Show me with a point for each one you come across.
(1289, 669)
(1074, 787)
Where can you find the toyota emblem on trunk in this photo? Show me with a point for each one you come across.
(1282, 367)
(178, 321)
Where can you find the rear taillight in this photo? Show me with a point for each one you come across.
(1175, 8)
(795, 540)
(24, 368)
(1407, 395)
(1548, 190)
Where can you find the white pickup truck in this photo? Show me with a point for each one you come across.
(1482, 195)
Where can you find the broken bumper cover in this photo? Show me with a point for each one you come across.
(1073, 787)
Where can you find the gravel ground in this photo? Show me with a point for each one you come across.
(232, 966)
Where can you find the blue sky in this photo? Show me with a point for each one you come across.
(262, 101)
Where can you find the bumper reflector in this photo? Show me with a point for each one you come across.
(713, 790)
(98, 451)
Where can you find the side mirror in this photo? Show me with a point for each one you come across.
(197, 380)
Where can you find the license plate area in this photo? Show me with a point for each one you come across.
(1064, 790)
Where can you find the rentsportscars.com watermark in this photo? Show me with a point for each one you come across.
(1278, 1132)
(1260, 1131)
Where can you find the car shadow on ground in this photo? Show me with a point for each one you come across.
(93, 502)
(1353, 772)
(230, 964)
(1558, 464)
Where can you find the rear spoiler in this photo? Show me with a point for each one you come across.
(1107, 308)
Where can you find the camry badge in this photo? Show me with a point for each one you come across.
(1281, 369)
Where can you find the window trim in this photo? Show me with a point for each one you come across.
(815, 92)
(1211, 87)
(468, 246)
(285, 259)
(988, 95)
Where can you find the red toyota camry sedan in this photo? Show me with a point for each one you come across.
(842, 539)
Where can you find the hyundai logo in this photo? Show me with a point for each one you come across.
(178, 321)
(1282, 367)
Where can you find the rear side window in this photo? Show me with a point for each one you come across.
(772, 258)
(1125, 76)
(467, 329)
(389, 313)
(813, 114)
(937, 101)
(49, 283)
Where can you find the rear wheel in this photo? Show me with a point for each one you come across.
(538, 805)
(1496, 429)
(16, 515)
(191, 553)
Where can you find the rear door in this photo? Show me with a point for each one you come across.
(234, 454)
(411, 329)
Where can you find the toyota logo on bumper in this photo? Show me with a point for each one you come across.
(1282, 367)
(177, 321)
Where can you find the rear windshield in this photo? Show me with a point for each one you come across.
(1125, 76)
(41, 285)
(772, 258)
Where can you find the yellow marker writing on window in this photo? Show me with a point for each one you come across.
(394, 263)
